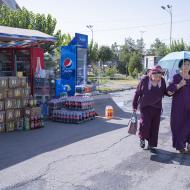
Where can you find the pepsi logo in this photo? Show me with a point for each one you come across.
(67, 62)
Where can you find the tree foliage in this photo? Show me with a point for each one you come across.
(105, 54)
(135, 65)
(158, 48)
(177, 46)
(93, 53)
(22, 18)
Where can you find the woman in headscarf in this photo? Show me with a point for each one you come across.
(148, 97)
(180, 112)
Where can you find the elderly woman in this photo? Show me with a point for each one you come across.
(148, 96)
(180, 112)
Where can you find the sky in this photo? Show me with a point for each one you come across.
(115, 20)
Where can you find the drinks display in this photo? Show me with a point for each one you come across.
(74, 109)
(79, 103)
(70, 116)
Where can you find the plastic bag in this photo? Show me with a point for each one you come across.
(132, 125)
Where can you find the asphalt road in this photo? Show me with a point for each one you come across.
(96, 155)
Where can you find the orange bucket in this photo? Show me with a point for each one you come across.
(109, 112)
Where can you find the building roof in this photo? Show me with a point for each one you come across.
(10, 36)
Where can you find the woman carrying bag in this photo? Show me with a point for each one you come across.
(148, 97)
(180, 112)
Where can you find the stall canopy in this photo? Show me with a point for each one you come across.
(17, 37)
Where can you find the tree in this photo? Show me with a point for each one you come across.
(93, 53)
(177, 46)
(62, 40)
(115, 51)
(135, 65)
(22, 18)
(105, 54)
(158, 48)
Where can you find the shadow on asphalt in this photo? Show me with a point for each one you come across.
(17, 147)
(167, 157)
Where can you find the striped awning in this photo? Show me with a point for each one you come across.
(18, 37)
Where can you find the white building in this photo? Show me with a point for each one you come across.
(150, 61)
(12, 4)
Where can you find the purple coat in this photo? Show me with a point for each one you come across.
(180, 113)
(145, 97)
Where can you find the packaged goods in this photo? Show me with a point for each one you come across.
(10, 93)
(2, 127)
(18, 103)
(3, 82)
(3, 94)
(10, 126)
(79, 103)
(13, 82)
(2, 117)
(26, 92)
(32, 111)
(18, 92)
(2, 105)
(19, 124)
(23, 81)
(9, 115)
(17, 113)
(26, 124)
(25, 102)
(10, 103)
(69, 116)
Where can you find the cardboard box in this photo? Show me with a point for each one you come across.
(2, 117)
(3, 82)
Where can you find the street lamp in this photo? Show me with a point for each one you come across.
(168, 9)
(90, 27)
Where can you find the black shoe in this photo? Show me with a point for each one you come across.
(151, 148)
(142, 143)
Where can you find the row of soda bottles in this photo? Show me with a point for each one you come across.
(79, 102)
(56, 103)
(73, 102)
(69, 116)
(33, 122)
(22, 124)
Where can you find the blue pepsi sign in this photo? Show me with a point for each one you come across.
(80, 40)
(68, 68)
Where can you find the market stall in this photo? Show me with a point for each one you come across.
(22, 77)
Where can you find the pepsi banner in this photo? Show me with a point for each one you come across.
(68, 68)
(80, 40)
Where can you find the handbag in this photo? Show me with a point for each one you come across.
(132, 125)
